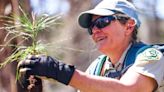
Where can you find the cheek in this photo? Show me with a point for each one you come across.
(120, 35)
(116, 36)
(118, 32)
(119, 38)
(93, 38)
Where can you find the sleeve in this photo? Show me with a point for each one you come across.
(93, 66)
(150, 62)
(90, 70)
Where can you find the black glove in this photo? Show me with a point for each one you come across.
(45, 66)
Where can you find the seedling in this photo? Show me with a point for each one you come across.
(25, 28)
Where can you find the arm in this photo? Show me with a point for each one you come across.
(130, 82)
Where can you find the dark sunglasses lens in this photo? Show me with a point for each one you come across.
(104, 21)
(101, 23)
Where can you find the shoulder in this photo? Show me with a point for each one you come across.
(95, 63)
(149, 62)
(99, 59)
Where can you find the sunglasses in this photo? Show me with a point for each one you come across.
(104, 21)
(101, 23)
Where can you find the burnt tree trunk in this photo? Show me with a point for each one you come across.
(7, 78)
(7, 74)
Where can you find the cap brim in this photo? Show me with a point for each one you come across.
(85, 18)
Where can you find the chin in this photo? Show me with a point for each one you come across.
(102, 49)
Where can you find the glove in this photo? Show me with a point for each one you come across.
(45, 66)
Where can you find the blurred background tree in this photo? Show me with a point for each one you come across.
(152, 17)
(71, 43)
(7, 74)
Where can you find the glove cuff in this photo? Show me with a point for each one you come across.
(65, 73)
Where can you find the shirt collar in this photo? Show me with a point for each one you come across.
(121, 60)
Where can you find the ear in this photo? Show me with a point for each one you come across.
(129, 26)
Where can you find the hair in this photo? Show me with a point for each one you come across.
(134, 34)
(123, 20)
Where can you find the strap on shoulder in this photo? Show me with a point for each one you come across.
(131, 54)
(101, 59)
(159, 47)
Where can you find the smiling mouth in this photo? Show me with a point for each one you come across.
(100, 39)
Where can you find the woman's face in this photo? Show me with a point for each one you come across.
(110, 37)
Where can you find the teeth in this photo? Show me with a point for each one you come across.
(100, 38)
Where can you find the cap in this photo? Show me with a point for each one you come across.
(109, 7)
